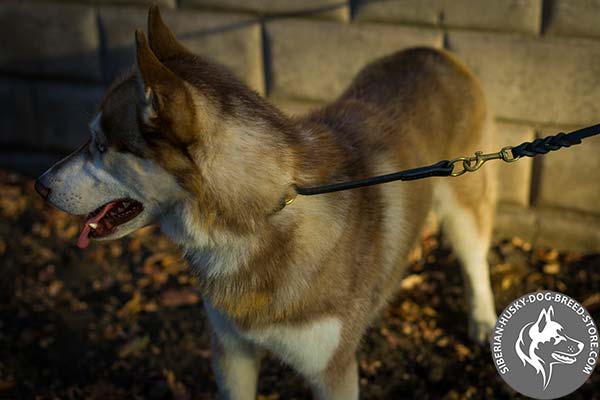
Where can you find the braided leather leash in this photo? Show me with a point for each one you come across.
(446, 167)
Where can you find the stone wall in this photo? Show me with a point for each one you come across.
(539, 61)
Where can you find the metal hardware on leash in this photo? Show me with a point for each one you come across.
(472, 164)
(446, 168)
(289, 198)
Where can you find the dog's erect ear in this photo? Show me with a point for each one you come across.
(155, 81)
(544, 317)
(162, 98)
(162, 40)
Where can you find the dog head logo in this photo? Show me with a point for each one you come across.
(544, 343)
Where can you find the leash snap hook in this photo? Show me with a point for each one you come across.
(472, 164)
(507, 154)
(464, 160)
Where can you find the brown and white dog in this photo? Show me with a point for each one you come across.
(180, 142)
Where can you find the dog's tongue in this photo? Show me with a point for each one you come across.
(84, 237)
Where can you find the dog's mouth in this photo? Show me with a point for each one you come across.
(105, 219)
(563, 358)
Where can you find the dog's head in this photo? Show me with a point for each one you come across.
(177, 141)
(544, 343)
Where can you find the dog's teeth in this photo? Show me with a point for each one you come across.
(93, 225)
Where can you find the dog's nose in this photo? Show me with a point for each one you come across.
(41, 189)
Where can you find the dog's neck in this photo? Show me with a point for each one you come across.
(237, 269)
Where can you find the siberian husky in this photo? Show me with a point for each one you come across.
(181, 142)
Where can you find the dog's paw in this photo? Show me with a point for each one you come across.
(480, 328)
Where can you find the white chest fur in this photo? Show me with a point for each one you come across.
(307, 347)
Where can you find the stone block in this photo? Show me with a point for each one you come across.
(341, 13)
(232, 40)
(31, 163)
(514, 178)
(63, 112)
(50, 40)
(568, 17)
(294, 108)
(427, 12)
(568, 231)
(142, 3)
(316, 60)
(569, 177)
(330, 9)
(496, 15)
(17, 118)
(514, 221)
(546, 80)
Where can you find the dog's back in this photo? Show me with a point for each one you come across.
(426, 95)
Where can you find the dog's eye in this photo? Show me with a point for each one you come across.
(100, 147)
(557, 339)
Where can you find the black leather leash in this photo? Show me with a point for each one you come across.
(469, 164)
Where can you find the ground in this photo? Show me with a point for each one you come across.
(124, 320)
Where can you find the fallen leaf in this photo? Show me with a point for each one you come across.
(552, 268)
(134, 347)
(7, 384)
(462, 351)
(411, 281)
(132, 307)
(176, 298)
(150, 307)
(272, 396)
(592, 303)
(55, 287)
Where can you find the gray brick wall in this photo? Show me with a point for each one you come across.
(233, 40)
(531, 78)
(538, 60)
(316, 60)
(50, 41)
(573, 18)
(493, 15)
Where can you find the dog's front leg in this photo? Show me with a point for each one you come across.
(339, 382)
(235, 361)
(236, 367)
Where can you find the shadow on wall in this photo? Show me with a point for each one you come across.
(51, 84)
(44, 118)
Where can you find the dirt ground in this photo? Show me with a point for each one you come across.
(123, 320)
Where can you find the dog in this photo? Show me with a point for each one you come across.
(180, 142)
(543, 344)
